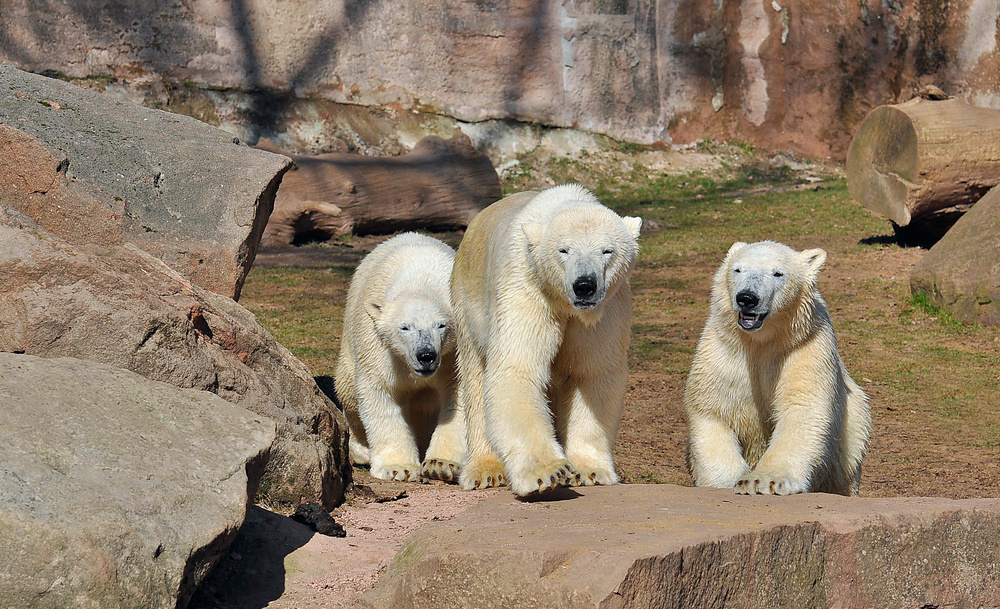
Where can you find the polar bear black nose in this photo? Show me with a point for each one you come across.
(426, 355)
(585, 286)
(747, 300)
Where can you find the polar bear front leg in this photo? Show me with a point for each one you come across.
(716, 456)
(392, 447)
(447, 447)
(518, 418)
(787, 466)
(805, 411)
(593, 413)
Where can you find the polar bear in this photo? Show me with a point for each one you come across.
(543, 312)
(396, 373)
(770, 406)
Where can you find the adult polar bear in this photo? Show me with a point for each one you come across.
(770, 406)
(543, 310)
(396, 372)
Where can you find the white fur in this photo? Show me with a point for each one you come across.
(773, 410)
(542, 369)
(398, 310)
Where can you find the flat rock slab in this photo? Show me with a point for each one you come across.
(670, 546)
(184, 191)
(116, 491)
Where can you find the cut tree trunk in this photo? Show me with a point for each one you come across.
(924, 163)
(440, 185)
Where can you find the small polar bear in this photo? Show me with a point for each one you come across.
(396, 373)
(543, 314)
(770, 406)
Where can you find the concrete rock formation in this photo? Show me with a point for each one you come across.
(117, 491)
(439, 185)
(125, 308)
(668, 546)
(185, 192)
(961, 273)
(785, 74)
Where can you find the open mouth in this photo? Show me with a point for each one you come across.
(750, 322)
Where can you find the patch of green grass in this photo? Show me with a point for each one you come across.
(943, 316)
(303, 308)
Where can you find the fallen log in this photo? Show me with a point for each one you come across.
(440, 185)
(961, 273)
(924, 162)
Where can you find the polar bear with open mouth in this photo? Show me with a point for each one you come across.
(771, 408)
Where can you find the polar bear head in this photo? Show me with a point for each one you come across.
(765, 284)
(582, 254)
(416, 327)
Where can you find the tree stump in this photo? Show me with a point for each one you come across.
(440, 185)
(924, 162)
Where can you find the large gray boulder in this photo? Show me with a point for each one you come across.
(179, 189)
(668, 546)
(125, 308)
(116, 491)
(961, 273)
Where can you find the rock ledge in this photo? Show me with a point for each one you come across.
(670, 546)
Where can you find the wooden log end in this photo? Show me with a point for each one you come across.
(882, 164)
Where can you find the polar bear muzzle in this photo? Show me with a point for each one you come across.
(747, 301)
(584, 280)
(584, 290)
(427, 360)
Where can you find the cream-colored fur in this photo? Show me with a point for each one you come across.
(399, 401)
(542, 359)
(771, 408)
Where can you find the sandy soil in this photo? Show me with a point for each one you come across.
(277, 562)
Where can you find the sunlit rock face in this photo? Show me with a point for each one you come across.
(784, 74)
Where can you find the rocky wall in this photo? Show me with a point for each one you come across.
(784, 74)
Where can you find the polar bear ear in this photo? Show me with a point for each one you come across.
(374, 309)
(533, 231)
(634, 225)
(814, 260)
(735, 248)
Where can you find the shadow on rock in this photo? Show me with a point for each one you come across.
(561, 493)
(253, 573)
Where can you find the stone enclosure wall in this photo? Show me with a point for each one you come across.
(352, 74)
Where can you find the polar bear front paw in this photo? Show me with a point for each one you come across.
(401, 472)
(482, 473)
(440, 469)
(545, 477)
(756, 483)
(596, 475)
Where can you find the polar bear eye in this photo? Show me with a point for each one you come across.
(608, 251)
(736, 270)
(442, 325)
(404, 327)
(563, 250)
(779, 273)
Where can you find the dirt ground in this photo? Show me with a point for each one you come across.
(910, 364)
(278, 563)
